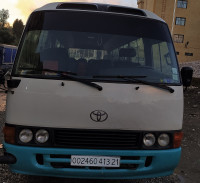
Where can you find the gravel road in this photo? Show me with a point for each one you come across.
(188, 170)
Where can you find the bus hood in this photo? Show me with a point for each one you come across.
(45, 103)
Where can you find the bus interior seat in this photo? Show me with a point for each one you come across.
(81, 66)
(127, 52)
(96, 66)
(125, 55)
(54, 58)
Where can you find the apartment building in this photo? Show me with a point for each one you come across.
(183, 19)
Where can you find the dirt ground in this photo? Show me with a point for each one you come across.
(188, 170)
(189, 167)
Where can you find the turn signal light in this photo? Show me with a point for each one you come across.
(9, 134)
(177, 139)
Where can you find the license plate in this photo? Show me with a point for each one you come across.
(95, 161)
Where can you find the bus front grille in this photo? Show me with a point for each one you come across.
(62, 161)
(96, 139)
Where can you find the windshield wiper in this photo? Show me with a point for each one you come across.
(134, 79)
(71, 75)
(119, 76)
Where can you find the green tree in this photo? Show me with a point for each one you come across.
(18, 27)
(6, 33)
(4, 15)
(6, 36)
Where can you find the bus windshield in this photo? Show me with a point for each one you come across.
(90, 44)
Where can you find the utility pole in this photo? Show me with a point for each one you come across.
(173, 17)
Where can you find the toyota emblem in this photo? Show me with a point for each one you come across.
(98, 116)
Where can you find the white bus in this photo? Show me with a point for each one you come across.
(95, 92)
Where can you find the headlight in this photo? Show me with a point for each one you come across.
(149, 140)
(26, 135)
(163, 140)
(42, 136)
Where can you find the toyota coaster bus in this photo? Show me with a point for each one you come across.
(95, 92)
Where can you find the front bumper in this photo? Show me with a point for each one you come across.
(163, 162)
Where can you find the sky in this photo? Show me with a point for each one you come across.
(21, 9)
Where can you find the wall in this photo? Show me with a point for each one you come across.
(191, 30)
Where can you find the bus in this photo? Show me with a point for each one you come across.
(95, 92)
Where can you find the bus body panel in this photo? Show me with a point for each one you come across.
(45, 103)
(163, 163)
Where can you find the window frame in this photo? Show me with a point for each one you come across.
(189, 54)
(180, 37)
(180, 21)
(182, 4)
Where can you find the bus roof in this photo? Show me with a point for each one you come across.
(100, 7)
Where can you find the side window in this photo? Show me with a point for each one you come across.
(88, 54)
(161, 58)
(29, 56)
(138, 45)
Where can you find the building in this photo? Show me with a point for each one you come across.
(183, 19)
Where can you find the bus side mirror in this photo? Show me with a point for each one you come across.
(186, 74)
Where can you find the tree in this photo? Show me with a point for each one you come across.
(6, 36)
(4, 15)
(18, 27)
